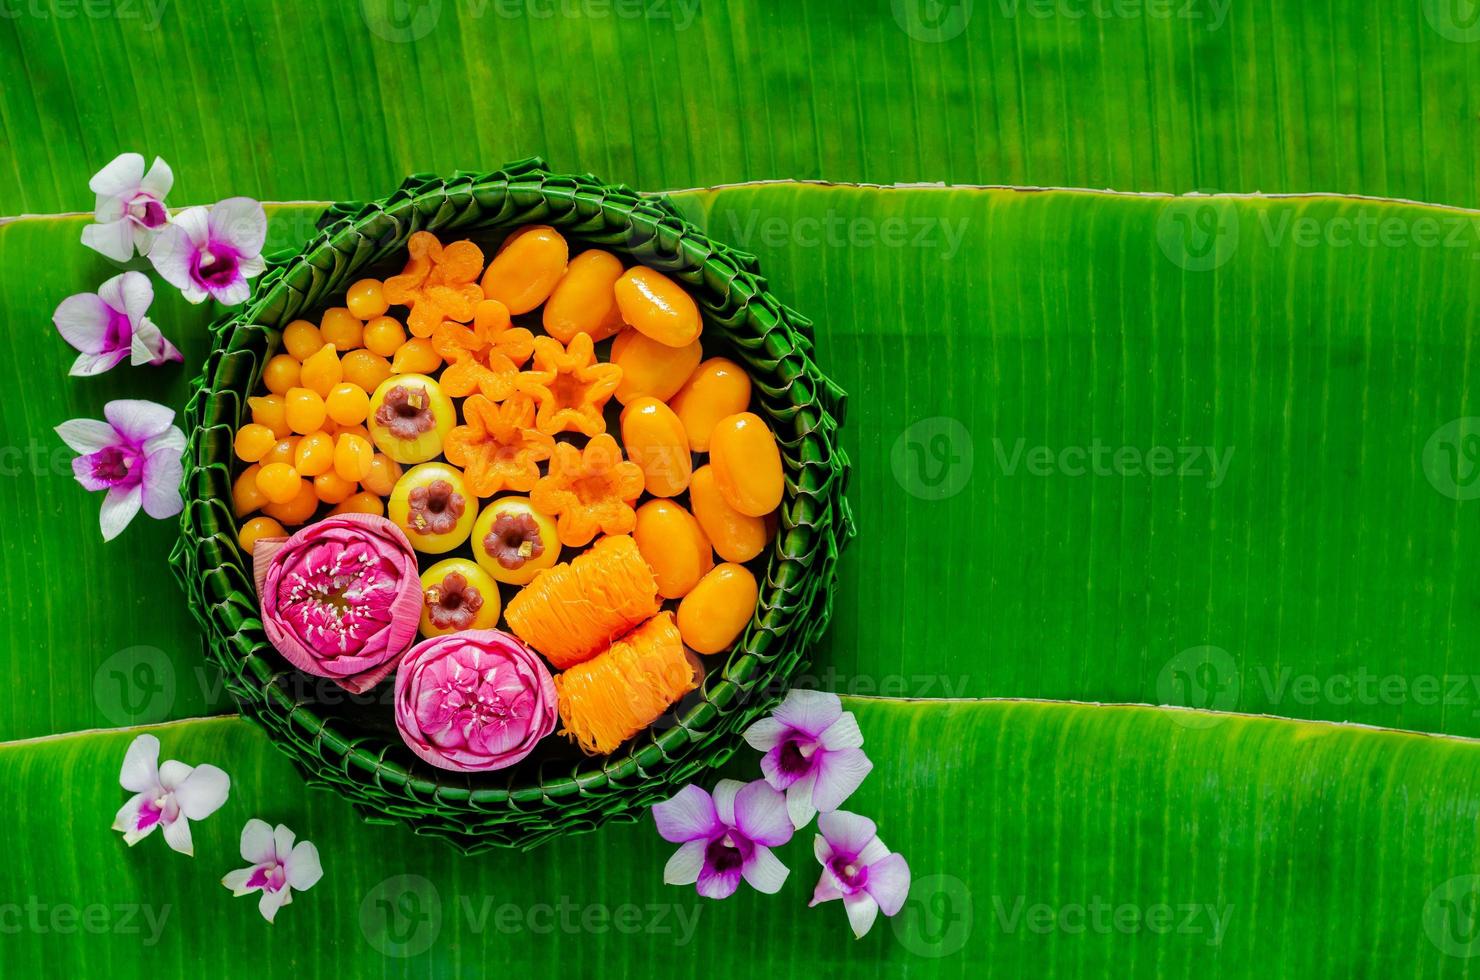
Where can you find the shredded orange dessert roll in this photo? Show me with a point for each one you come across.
(571, 611)
(618, 693)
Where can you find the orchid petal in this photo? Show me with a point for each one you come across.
(173, 773)
(140, 773)
(282, 841)
(163, 472)
(144, 237)
(113, 239)
(87, 436)
(760, 814)
(838, 775)
(303, 866)
(862, 911)
(270, 902)
(809, 711)
(251, 265)
(83, 321)
(88, 365)
(174, 252)
(234, 292)
(237, 881)
(874, 850)
(764, 871)
(724, 800)
(688, 815)
(130, 293)
(119, 508)
(683, 867)
(889, 883)
(776, 774)
(241, 222)
(827, 888)
(171, 438)
(202, 792)
(717, 884)
(82, 470)
(127, 817)
(120, 177)
(149, 345)
(799, 801)
(177, 835)
(847, 833)
(843, 733)
(159, 180)
(138, 420)
(764, 735)
(257, 842)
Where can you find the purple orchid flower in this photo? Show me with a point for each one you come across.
(130, 207)
(109, 325)
(813, 752)
(725, 837)
(213, 251)
(135, 456)
(279, 866)
(167, 796)
(859, 869)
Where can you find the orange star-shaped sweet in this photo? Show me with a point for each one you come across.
(438, 283)
(589, 491)
(570, 386)
(498, 447)
(485, 357)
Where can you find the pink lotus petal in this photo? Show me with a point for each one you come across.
(683, 867)
(83, 322)
(838, 775)
(889, 883)
(808, 711)
(843, 733)
(687, 816)
(163, 472)
(724, 800)
(159, 180)
(764, 871)
(177, 835)
(202, 792)
(303, 867)
(862, 911)
(764, 735)
(138, 420)
(241, 222)
(257, 842)
(119, 508)
(848, 834)
(140, 772)
(87, 436)
(120, 176)
(717, 884)
(760, 814)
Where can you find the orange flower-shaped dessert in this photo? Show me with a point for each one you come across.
(589, 491)
(569, 385)
(485, 357)
(498, 447)
(438, 283)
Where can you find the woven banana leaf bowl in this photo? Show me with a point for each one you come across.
(349, 743)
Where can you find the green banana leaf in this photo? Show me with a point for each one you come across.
(1269, 383)
(291, 101)
(1043, 840)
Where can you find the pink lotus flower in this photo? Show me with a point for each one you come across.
(341, 598)
(135, 456)
(278, 866)
(725, 837)
(813, 752)
(213, 251)
(473, 701)
(859, 869)
(168, 796)
(109, 325)
(130, 207)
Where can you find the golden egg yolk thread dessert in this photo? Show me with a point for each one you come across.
(624, 689)
(571, 611)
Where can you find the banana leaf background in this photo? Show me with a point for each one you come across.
(1161, 623)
